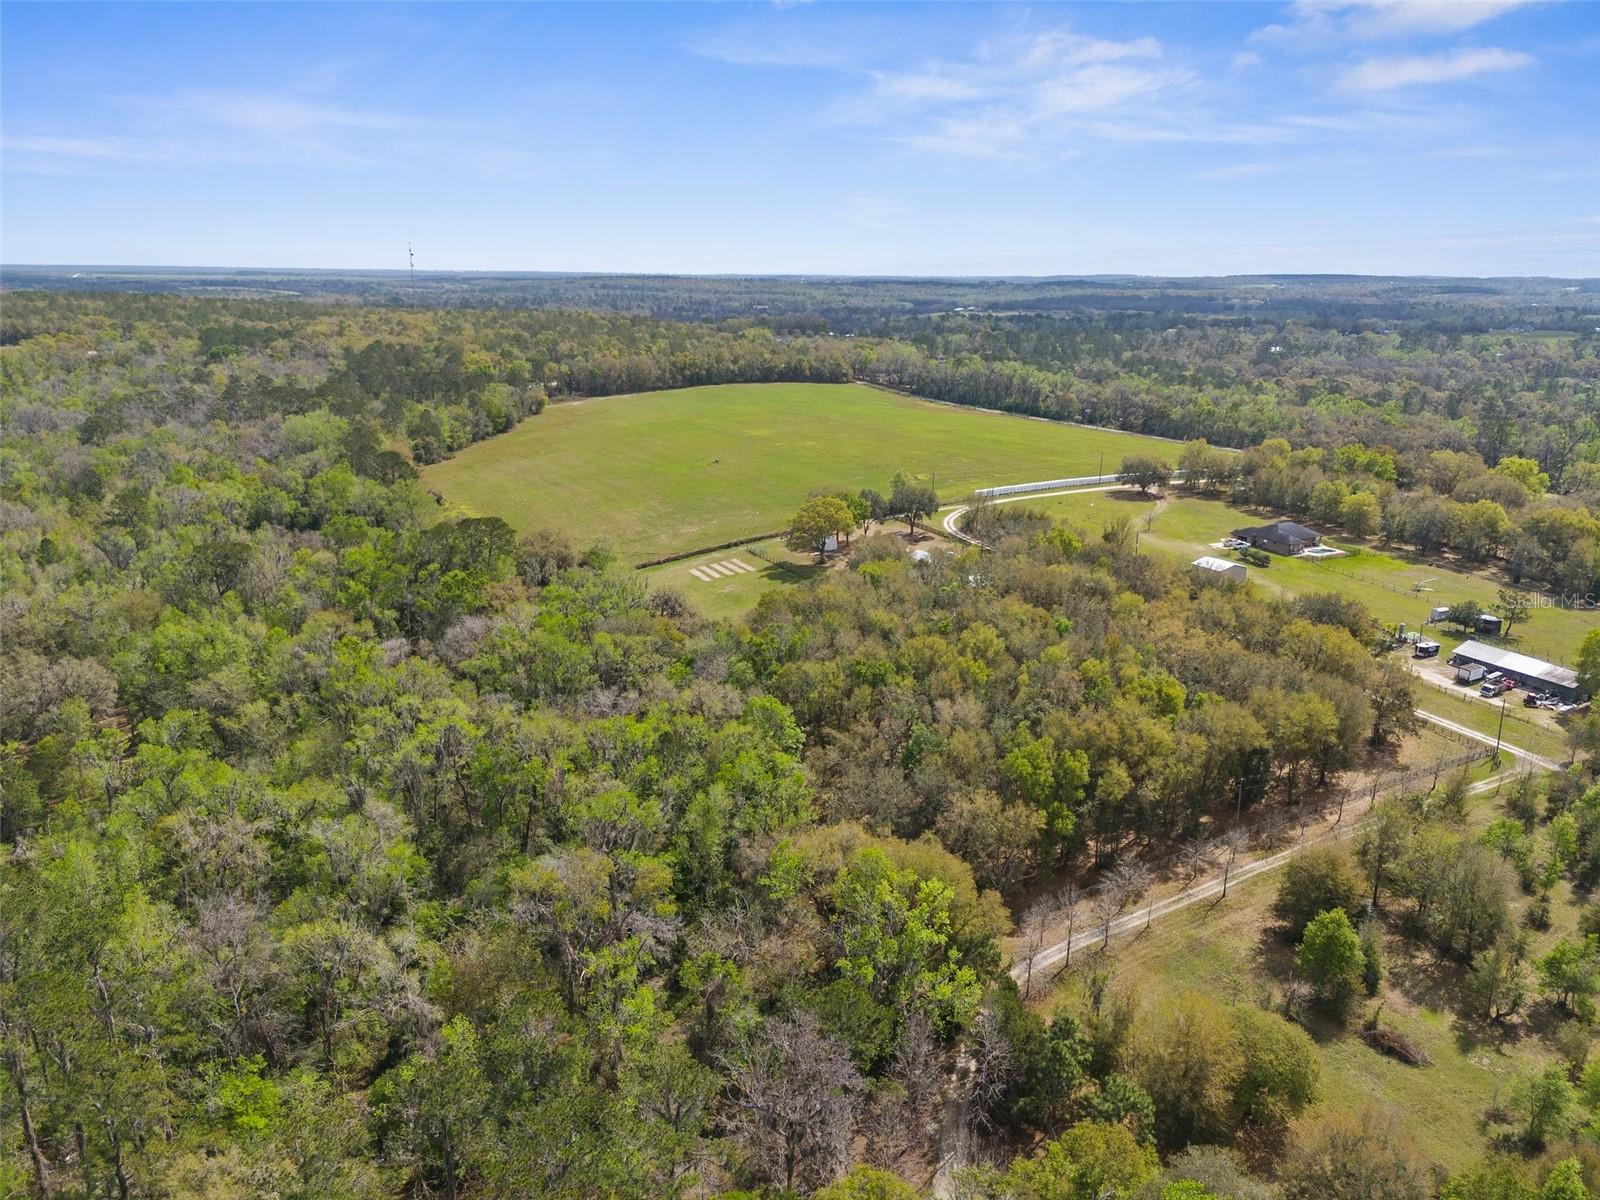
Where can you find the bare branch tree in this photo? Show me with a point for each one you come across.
(1194, 860)
(795, 1097)
(1035, 925)
(1227, 849)
(1072, 909)
(993, 1063)
(885, 1127)
(1274, 829)
(1106, 906)
(1117, 888)
(1136, 880)
(917, 1069)
(1306, 812)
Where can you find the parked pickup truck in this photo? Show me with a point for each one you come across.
(1496, 686)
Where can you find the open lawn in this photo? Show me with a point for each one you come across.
(671, 471)
(1185, 527)
(1233, 950)
(727, 583)
(1521, 728)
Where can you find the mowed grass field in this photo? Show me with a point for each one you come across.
(1185, 527)
(727, 583)
(662, 472)
(1233, 950)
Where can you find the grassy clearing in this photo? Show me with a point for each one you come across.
(1468, 708)
(1186, 527)
(727, 596)
(664, 471)
(1232, 949)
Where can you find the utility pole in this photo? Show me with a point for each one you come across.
(1499, 729)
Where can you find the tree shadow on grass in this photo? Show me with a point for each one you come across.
(1129, 495)
(1273, 956)
(1544, 1018)
(1273, 959)
(788, 572)
(1422, 977)
(1474, 1034)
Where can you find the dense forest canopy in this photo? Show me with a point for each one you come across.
(1414, 385)
(357, 850)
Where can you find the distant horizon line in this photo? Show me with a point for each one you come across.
(995, 277)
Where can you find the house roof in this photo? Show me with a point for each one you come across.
(1518, 664)
(1210, 562)
(1285, 531)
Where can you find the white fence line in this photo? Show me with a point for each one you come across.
(1050, 485)
(1046, 485)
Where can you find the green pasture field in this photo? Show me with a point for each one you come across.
(1232, 949)
(719, 595)
(659, 472)
(1521, 728)
(1185, 527)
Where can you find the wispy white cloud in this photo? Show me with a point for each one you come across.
(763, 45)
(1385, 74)
(233, 127)
(274, 113)
(1040, 96)
(125, 149)
(1475, 151)
(1245, 170)
(1019, 96)
(1045, 96)
(1318, 22)
(1054, 71)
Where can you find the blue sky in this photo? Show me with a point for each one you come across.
(1387, 136)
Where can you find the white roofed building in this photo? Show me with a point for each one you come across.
(1527, 671)
(1220, 566)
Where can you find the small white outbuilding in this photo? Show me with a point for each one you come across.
(1220, 566)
